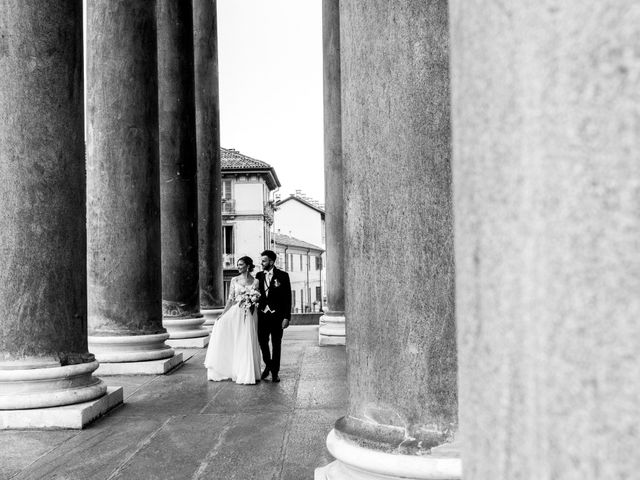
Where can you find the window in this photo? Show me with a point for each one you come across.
(286, 262)
(291, 261)
(226, 189)
(301, 300)
(293, 300)
(227, 198)
(318, 263)
(318, 294)
(227, 239)
(301, 263)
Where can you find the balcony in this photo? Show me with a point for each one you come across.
(228, 260)
(228, 206)
(269, 212)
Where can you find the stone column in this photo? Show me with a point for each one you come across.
(205, 40)
(178, 178)
(332, 323)
(547, 208)
(123, 201)
(44, 360)
(399, 268)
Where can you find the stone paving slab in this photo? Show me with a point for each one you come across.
(19, 449)
(307, 431)
(181, 426)
(176, 450)
(96, 452)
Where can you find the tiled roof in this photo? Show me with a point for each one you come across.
(305, 201)
(233, 159)
(294, 242)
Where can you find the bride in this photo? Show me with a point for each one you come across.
(234, 352)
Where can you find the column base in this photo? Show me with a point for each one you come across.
(210, 316)
(66, 417)
(354, 462)
(199, 342)
(129, 348)
(45, 383)
(149, 367)
(332, 329)
(186, 332)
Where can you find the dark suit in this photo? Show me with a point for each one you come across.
(278, 300)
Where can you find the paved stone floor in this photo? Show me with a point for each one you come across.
(179, 426)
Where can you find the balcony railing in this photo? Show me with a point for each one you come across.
(228, 260)
(228, 207)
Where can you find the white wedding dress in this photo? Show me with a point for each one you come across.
(234, 352)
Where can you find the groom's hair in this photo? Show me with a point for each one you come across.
(271, 254)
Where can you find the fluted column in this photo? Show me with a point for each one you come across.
(332, 323)
(123, 201)
(44, 361)
(547, 197)
(399, 268)
(205, 40)
(178, 177)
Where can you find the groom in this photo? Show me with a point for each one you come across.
(274, 312)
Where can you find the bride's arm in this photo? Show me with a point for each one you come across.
(230, 296)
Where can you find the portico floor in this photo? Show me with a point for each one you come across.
(179, 426)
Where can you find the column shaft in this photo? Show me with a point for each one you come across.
(208, 149)
(178, 167)
(332, 324)
(399, 269)
(547, 195)
(43, 327)
(123, 201)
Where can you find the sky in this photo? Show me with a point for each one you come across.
(270, 74)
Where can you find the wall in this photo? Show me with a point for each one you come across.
(299, 277)
(299, 221)
(248, 197)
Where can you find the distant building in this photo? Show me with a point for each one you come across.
(301, 217)
(305, 265)
(247, 208)
(300, 223)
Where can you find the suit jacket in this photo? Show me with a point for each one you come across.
(279, 298)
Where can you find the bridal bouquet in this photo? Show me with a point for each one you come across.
(249, 299)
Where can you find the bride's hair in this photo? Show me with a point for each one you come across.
(248, 262)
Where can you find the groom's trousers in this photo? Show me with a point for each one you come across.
(270, 325)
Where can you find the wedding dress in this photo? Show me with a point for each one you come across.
(234, 352)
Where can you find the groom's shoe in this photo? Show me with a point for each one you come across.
(265, 373)
(275, 378)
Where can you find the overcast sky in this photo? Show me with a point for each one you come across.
(270, 65)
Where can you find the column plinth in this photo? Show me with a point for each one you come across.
(398, 244)
(123, 202)
(46, 384)
(332, 329)
(357, 462)
(44, 360)
(131, 348)
(178, 174)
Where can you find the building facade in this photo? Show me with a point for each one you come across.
(305, 264)
(247, 208)
(302, 218)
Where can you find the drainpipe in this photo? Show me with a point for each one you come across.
(308, 290)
